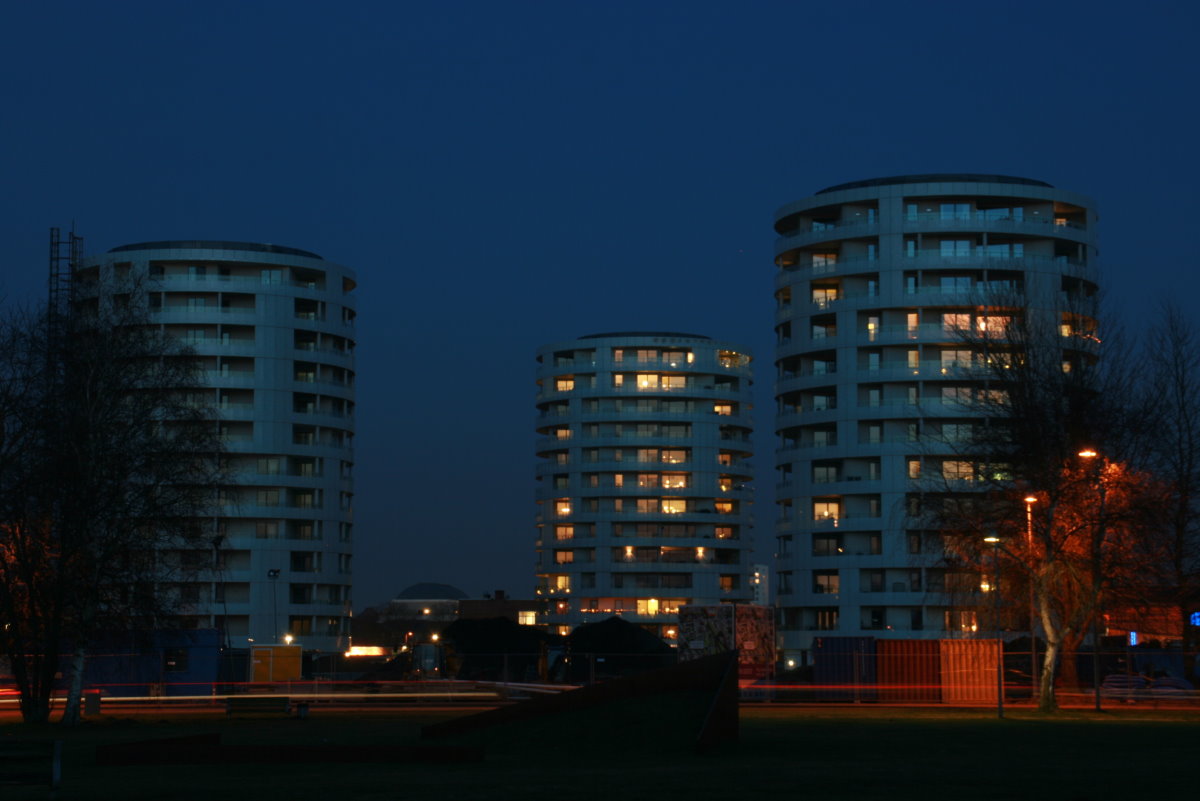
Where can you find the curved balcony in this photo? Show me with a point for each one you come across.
(182, 282)
(850, 523)
(846, 486)
(1031, 224)
(324, 419)
(786, 276)
(204, 315)
(215, 347)
(806, 418)
(828, 232)
(328, 356)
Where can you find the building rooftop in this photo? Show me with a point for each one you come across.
(644, 334)
(937, 178)
(216, 244)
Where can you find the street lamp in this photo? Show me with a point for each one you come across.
(1097, 544)
(273, 575)
(1030, 500)
(994, 541)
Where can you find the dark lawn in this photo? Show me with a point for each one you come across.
(639, 750)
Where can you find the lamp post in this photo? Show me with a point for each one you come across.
(1030, 500)
(994, 541)
(1097, 545)
(273, 575)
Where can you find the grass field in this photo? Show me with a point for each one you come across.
(642, 751)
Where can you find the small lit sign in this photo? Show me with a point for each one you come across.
(1133, 638)
(367, 650)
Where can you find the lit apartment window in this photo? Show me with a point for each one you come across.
(562, 507)
(953, 470)
(956, 620)
(914, 468)
(675, 480)
(618, 479)
(674, 456)
(723, 507)
(724, 483)
(648, 479)
(564, 557)
(723, 409)
(676, 357)
(647, 606)
(994, 325)
(527, 618)
(647, 506)
(959, 357)
(674, 382)
(562, 433)
(647, 380)
(562, 582)
(731, 358)
(674, 506)
(821, 298)
(648, 455)
(956, 323)
(826, 582)
(827, 510)
(826, 619)
(723, 532)
(618, 380)
(725, 459)
(564, 532)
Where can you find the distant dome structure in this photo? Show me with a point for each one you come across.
(425, 590)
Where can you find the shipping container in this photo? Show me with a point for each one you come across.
(273, 663)
(909, 671)
(969, 671)
(844, 668)
(165, 662)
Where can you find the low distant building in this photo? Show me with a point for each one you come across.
(425, 603)
(523, 611)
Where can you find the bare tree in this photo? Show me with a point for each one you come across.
(1174, 359)
(1050, 389)
(106, 465)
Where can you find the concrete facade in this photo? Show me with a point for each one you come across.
(274, 330)
(875, 283)
(643, 480)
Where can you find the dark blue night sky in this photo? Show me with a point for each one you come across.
(503, 174)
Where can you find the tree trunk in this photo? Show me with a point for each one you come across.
(35, 683)
(75, 693)
(1068, 671)
(1047, 701)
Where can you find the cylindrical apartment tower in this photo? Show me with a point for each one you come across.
(274, 329)
(643, 481)
(877, 281)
